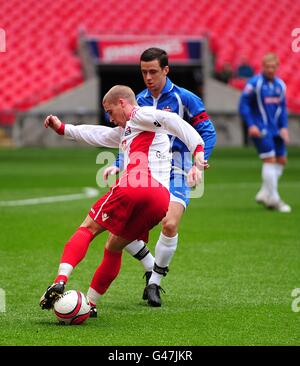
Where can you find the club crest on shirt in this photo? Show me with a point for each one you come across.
(167, 109)
(157, 124)
(127, 131)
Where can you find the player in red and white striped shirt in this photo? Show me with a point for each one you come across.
(139, 199)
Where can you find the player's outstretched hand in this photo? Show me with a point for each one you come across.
(194, 176)
(52, 122)
(111, 170)
(200, 162)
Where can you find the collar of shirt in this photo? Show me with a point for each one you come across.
(265, 79)
(166, 89)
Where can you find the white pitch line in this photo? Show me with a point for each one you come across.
(87, 193)
(92, 192)
(242, 185)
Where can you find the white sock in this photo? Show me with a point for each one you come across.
(279, 169)
(65, 269)
(138, 249)
(164, 250)
(92, 296)
(134, 247)
(270, 180)
(155, 278)
(263, 188)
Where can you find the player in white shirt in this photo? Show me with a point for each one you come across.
(139, 199)
(163, 94)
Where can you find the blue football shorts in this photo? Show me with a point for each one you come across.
(269, 146)
(181, 164)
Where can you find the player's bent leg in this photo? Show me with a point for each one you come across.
(278, 204)
(280, 164)
(77, 247)
(74, 251)
(265, 147)
(107, 271)
(272, 151)
(268, 176)
(139, 251)
(92, 226)
(167, 243)
(164, 251)
(271, 171)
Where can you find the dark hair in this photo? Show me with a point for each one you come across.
(155, 53)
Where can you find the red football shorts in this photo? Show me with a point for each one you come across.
(131, 211)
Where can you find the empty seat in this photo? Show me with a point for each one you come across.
(40, 61)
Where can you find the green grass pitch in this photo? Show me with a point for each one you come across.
(230, 281)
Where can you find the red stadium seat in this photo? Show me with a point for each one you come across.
(238, 83)
(40, 61)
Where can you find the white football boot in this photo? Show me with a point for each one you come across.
(279, 206)
(262, 197)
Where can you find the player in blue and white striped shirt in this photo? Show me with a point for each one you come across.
(263, 109)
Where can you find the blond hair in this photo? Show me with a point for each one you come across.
(270, 57)
(117, 92)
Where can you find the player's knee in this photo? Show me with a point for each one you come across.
(169, 227)
(92, 226)
(281, 160)
(271, 160)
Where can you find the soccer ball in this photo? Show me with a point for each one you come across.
(71, 308)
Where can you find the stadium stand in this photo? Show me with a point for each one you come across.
(41, 57)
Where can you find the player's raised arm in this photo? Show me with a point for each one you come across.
(172, 124)
(100, 136)
(178, 127)
(95, 135)
(55, 123)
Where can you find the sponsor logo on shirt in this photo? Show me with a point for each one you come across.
(272, 100)
(159, 155)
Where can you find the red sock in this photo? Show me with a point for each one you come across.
(76, 248)
(61, 278)
(107, 271)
